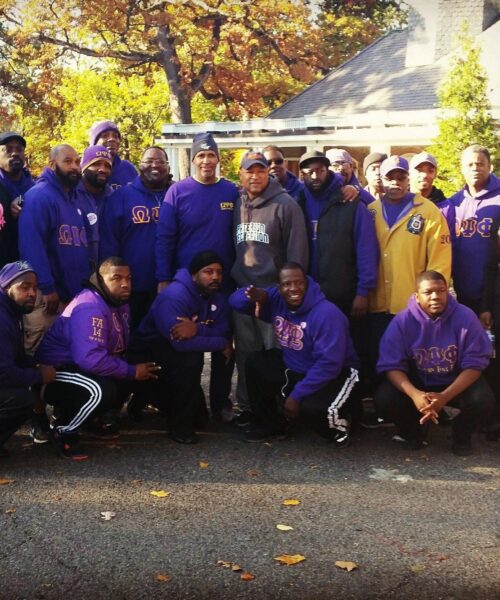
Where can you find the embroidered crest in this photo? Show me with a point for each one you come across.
(416, 224)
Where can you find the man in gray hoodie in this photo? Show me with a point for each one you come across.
(269, 230)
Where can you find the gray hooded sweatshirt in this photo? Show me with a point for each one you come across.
(268, 231)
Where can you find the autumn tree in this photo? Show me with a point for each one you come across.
(465, 115)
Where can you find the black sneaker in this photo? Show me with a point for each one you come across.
(244, 419)
(373, 421)
(68, 445)
(462, 447)
(260, 434)
(40, 428)
(341, 439)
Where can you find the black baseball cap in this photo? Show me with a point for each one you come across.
(6, 136)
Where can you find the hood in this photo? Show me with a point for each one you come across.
(10, 305)
(96, 284)
(335, 183)
(272, 190)
(423, 318)
(313, 296)
(183, 276)
(436, 195)
(48, 176)
(491, 188)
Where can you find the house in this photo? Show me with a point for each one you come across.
(383, 99)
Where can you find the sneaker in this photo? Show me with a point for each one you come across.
(100, 431)
(372, 421)
(244, 419)
(226, 415)
(68, 445)
(462, 447)
(39, 430)
(341, 439)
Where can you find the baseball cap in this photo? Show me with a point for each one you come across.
(313, 155)
(394, 163)
(11, 135)
(252, 158)
(421, 158)
(374, 157)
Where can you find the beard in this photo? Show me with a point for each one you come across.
(67, 179)
(93, 180)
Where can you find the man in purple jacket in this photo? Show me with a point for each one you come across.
(315, 369)
(197, 215)
(187, 318)
(15, 181)
(278, 168)
(106, 133)
(433, 354)
(18, 372)
(87, 344)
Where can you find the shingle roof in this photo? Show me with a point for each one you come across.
(374, 79)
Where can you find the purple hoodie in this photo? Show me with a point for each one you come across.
(128, 229)
(478, 222)
(293, 186)
(364, 194)
(440, 349)
(314, 338)
(53, 237)
(90, 334)
(122, 174)
(182, 299)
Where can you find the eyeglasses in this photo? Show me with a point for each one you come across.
(154, 161)
(339, 164)
(276, 161)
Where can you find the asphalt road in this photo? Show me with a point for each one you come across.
(418, 525)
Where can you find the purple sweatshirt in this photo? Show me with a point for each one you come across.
(17, 188)
(364, 194)
(478, 222)
(195, 217)
(293, 186)
(16, 368)
(439, 349)
(53, 237)
(90, 334)
(128, 229)
(182, 299)
(314, 338)
(122, 174)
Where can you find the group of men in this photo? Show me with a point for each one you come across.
(326, 291)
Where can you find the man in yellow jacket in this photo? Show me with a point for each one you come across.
(413, 237)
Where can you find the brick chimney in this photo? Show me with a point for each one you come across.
(434, 25)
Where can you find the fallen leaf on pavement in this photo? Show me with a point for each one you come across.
(284, 527)
(247, 576)
(224, 563)
(203, 464)
(159, 493)
(5, 481)
(9, 511)
(347, 565)
(107, 515)
(290, 559)
(163, 577)
(136, 481)
(291, 502)
(417, 568)
(253, 473)
(235, 567)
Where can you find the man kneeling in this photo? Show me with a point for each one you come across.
(315, 370)
(87, 343)
(433, 353)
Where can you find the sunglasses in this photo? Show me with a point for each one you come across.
(276, 161)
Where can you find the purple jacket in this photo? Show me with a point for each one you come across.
(53, 237)
(182, 299)
(314, 338)
(90, 334)
(364, 194)
(16, 368)
(122, 174)
(293, 185)
(195, 217)
(477, 225)
(128, 229)
(439, 349)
